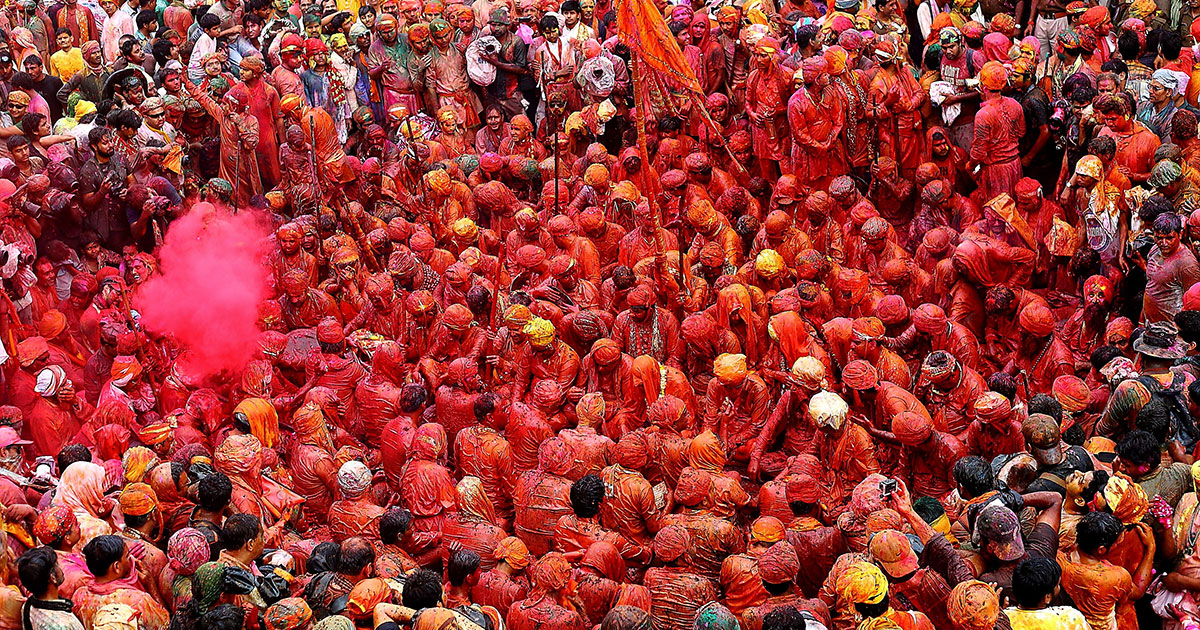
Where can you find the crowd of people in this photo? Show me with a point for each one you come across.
(625, 315)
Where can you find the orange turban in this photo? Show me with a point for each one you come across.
(1072, 393)
(513, 551)
(137, 499)
(1037, 320)
(868, 329)
(730, 368)
(993, 76)
(1126, 499)
(911, 429)
(973, 605)
(551, 572)
(767, 529)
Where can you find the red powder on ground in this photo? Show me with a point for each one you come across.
(206, 291)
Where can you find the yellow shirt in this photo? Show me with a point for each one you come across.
(65, 63)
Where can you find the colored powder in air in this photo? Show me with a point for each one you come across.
(206, 292)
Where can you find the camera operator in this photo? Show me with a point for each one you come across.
(512, 65)
(102, 186)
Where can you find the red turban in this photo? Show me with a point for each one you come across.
(779, 563)
(641, 296)
(803, 488)
(671, 542)
(1037, 320)
(992, 407)
(911, 429)
(929, 319)
(530, 256)
(330, 331)
(891, 310)
(555, 456)
(457, 317)
(605, 351)
(860, 375)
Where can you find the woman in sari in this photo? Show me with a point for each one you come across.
(81, 488)
(240, 457)
(473, 525)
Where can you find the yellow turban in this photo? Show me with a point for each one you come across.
(540, 332)
(862, 583)
(730, 368)
(768, 263)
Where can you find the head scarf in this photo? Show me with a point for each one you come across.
(53, 524)
(354, 478)
(512, 550)
(288, 614)
(81, 488)
(187, 549)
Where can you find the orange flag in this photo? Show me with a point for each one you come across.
(641, 27)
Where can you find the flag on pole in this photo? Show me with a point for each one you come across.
(641, 27)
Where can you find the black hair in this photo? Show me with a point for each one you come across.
(486, 404)
(124, 118)
(22, 80)
(324, 558)
(1082, 93)
(1096, 530)
(70, 454)
(161, 50)
(928, 508)
(586, 495)
(16, 142)
(933, 58)
(103, 552)
(1115, 66)
(208, 21)
(776, 589)
(422, 589)
(974, 474)
(365, 10)
(569, 5)
(1102, 145)
(1046, 404)
(806, 34)
(1033, 580)
(1154, 206)
(357, 554)
(127, 46)
(223, 617)
(547, 23)
(676, 27)
(214, 492)
(1168, 223)
(1003, 384)
(479, 300)
(393, 525)
(871, 611)
(412, 397)
(462, 564)
(34, 60)
(784, 618)
(1103, 355)
(1169, 45)
(1155, 418)
(146, 18)
(35, 568)
(1099, 480)
(240, 529)
(1129, 45)
(1139, 448)
(670, 123)
(1194, 392)
(801, 508)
